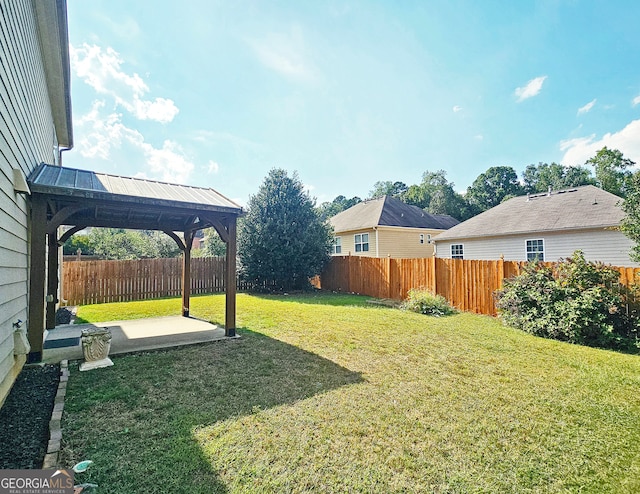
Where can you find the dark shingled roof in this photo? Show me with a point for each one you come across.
(578, 208)
(388, 211)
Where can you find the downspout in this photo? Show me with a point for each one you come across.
(62, 150)
(61, 252)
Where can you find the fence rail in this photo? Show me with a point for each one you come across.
(467, 284)
(94, 282)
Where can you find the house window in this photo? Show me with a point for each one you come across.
(457, 251)
(336, 248)
(422, 238)
(535, 250)
(361, 241)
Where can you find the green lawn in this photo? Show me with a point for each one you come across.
(324, 393)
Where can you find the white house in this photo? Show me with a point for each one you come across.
(35, 124)
(546, 226)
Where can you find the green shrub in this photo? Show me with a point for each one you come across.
(575, 301)
(424, 302)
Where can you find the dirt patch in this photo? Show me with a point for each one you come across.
(25, 416)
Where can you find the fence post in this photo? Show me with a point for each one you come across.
(433, 277)
(501, 275)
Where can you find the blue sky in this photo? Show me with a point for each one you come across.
(346, 93)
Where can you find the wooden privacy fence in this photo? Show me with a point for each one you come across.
(94, 282)
(468, 285)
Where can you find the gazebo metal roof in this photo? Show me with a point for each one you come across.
(100, 199)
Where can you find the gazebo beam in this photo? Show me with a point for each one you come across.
(59, 218)
(52, 280)
(176, 239)
(69, 233)
(186, 272)
(35, 320)
(230, 279)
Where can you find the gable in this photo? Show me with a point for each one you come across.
(388, 211)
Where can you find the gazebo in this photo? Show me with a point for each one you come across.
(80, 199)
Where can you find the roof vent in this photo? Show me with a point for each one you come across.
(528, 196)
(595, 201)
(549, 191)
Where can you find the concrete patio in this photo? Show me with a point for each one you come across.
(135, 335)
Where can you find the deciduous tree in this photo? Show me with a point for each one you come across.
(631, 222)
(612, 170)
(493, 186)
(388, 188)
(328, 209)
(538, 178)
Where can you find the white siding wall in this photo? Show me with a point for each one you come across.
(27, 137)
(608, 246)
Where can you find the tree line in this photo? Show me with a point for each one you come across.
(437, 195)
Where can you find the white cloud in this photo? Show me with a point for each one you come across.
(168, 163)
(284, 53)
(532, 88)
(101, 69)
(478, 137)
(457, 108)
(636, 100)
(586, 108)
(213, 167)
(578, 150)
(98, 134)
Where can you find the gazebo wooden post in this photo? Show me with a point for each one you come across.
(35, 318)
(52, 279)
(186, 272)
(230, 280)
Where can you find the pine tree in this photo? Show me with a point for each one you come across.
(282, 240)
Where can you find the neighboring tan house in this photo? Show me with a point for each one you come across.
(35, 125)
(387, 227)
(544, 226)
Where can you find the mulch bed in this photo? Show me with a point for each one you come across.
(25, 416)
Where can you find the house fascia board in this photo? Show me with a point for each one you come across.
(352, 230)
(53, 35)
(386, 227)
(526, 232)
(411, 228)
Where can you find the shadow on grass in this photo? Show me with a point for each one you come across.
(136, 420)
(318, 298)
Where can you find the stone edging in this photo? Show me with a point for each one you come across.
(55, 429)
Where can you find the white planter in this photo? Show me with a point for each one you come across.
(96, 343)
